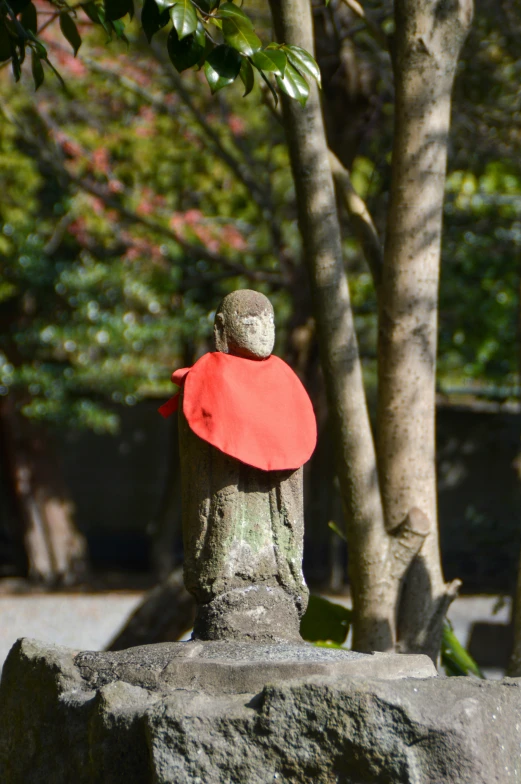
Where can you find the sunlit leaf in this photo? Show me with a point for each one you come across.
(184, 18)
(294, 85)
(454, 658)
(303, 62)
(240, 35)
(232, 11)
(186, 53)
(247, 76)
(222, 67)
(271, 60)
(70, 31)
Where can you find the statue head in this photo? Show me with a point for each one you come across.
(245, 325)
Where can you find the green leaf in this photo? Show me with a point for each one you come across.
(186, 53)
(37, 70)
(303, 62)
(232, 11)
(184, 18)
(271, 60)
(96, 14)
(200, 36)
(247, 76)
(241, 36)
(70, 31)
(152, 19)
(294, 85)
(117, 9)
(40, 49)
(91, 9)
(5, 45)
(454, 658)
(208, 5)
(325, 621)
(119, 28)
(29, 18)
(222, 67)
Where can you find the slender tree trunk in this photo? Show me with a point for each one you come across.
(55, 550)
(375, 561)
(427, 42)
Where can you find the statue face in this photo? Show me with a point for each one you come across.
(250, 335)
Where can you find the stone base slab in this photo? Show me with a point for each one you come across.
(239, 668)
(142, 717)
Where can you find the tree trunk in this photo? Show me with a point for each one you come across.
(55, 550)
(376, 562)
(427, 42)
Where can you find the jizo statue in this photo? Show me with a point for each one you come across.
(246, 428)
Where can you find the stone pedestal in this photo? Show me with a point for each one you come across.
(228, 713)
(243, 532)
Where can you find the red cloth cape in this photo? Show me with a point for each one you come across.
(254, 410)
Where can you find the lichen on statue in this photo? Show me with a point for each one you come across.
(246, 428)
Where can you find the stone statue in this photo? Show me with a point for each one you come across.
(242, 524)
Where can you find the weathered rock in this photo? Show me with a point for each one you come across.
(124, 717)
(238, 668)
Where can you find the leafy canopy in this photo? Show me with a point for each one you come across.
(215, 36)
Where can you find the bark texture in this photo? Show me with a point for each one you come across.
(377, 560)
(426, 46)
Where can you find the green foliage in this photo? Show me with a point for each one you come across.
(218, 37)
(70, 31)
(454, 658)
(222, 66)
(96, 307)
(325, 621)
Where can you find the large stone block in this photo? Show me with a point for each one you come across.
(153, 715)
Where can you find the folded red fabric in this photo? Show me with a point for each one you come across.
(256, 411)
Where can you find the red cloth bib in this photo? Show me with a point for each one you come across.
(254, 410)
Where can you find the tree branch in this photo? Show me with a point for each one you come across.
(237, 169)
(195, 251)
(361, 220)
(407, 541)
